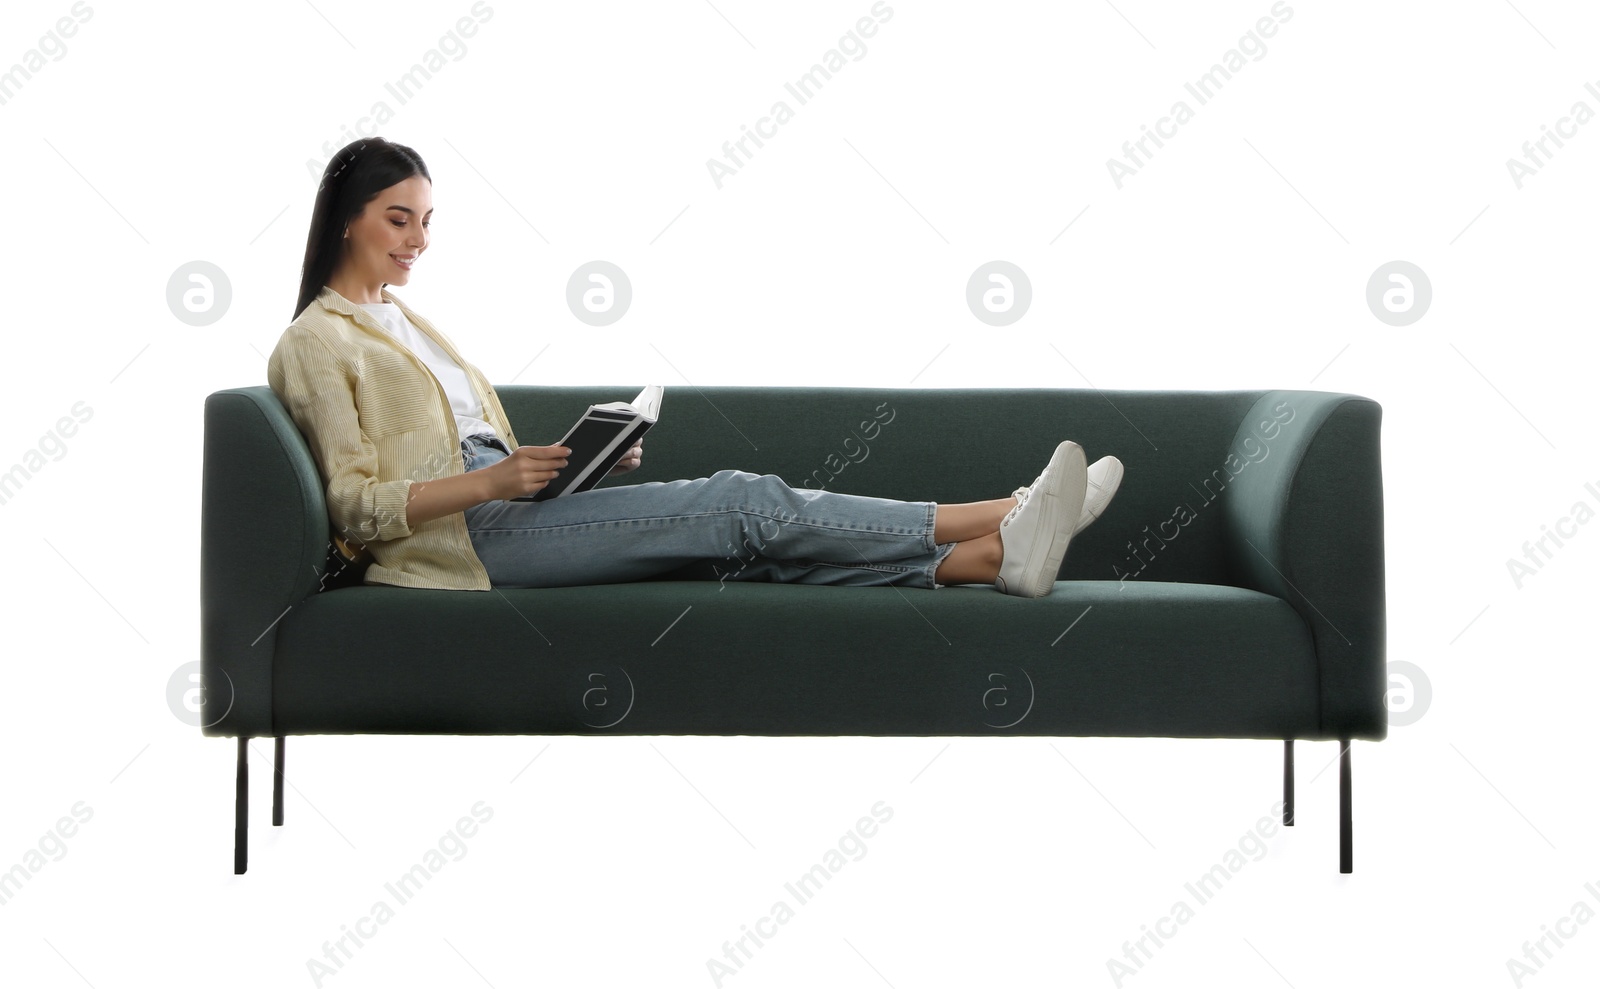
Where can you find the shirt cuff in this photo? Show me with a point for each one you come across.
(390, 509)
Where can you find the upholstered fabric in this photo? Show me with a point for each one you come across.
(1235, 587)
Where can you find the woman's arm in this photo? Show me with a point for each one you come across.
(318, 391)
(429, 500)
(527, 470)
(319, 394)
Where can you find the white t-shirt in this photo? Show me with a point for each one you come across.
(463, 400)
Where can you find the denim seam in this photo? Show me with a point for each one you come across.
(694, 515)
(880, 567)
(814, 523)
(943, 550)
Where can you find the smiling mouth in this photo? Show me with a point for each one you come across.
(404, 264)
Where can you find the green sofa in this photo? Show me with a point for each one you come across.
(1233, 589)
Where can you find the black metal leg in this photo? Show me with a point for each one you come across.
(1288, 782)
(277, 782)
(1344, 806)
(241, 811)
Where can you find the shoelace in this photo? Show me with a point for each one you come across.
(1021, 494)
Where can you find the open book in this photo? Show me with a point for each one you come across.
(599, 439)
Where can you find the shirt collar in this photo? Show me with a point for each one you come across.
(334, 302)
(331, 299)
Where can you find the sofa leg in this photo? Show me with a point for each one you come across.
(1288, 782)
(241, 810)
(1344, 806)
(277, 782)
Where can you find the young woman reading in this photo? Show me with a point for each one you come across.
(419, 460)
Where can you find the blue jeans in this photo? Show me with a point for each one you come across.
(733, 525)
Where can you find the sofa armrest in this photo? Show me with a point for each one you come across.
(264, 540)
(1304, 520)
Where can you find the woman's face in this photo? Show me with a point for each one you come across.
(388, 236)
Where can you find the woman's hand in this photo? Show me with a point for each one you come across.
(629, 460)
(526, 471)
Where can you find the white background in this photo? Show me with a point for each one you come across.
(1236, 258)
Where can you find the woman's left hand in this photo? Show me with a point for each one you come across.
(630, 460)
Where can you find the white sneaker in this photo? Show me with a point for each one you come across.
(1035, 534)
(1104, 476)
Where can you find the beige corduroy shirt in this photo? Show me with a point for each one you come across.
(377, 421)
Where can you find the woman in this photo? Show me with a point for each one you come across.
(419, 459)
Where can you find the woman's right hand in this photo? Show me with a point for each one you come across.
(526, 471)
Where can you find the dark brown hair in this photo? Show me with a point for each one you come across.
(353, 178)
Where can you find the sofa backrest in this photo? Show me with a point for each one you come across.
(947, 445)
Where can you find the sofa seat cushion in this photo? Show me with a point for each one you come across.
(1136, 658)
